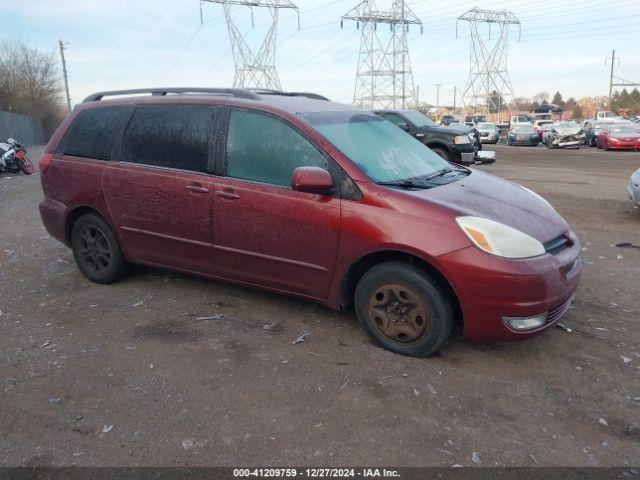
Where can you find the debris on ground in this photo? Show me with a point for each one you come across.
(301, 338)
(416, 392)
(138, 303)
(633, 430)
(212, 317)
(563, 327)
(602, 421)
(107, 428)
(626, 245)
(534, 459)
(271, 327)
(54, 400)
(188, 444)
(431, 389)
(626, 360)
(475, 457)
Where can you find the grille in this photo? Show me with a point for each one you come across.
(557, 313)
(556, 245)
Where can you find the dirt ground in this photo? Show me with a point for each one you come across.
(131, 374)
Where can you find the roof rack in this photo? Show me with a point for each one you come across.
(265, 91)
(231, 92)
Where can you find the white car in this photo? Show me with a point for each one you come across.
(634, 188)
(489, 132)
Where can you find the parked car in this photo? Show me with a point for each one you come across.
(489, 132)
(523, 134)
(542, 126)
(309, 198)
(564, 135)
(619, 137)
(455, 143)
(634, 188)
(447, 119)
(519, 119)
(591, 132)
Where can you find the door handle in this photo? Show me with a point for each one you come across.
(226, 194)
(198, 189)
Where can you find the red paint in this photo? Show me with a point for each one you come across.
(303, 243)
(618, 141)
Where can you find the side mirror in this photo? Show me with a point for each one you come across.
(311, 180)
(404, 126)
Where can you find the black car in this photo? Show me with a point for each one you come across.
(459, 143)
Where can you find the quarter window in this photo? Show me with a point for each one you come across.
(91, 134)
(174, 136)
(264, 149)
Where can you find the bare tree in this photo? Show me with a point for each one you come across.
(540, 98)
(30, 83)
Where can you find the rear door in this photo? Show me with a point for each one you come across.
(159, 192)
(265, 232)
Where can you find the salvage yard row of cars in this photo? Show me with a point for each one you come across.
(298, 195)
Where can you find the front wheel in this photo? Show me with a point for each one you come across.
(26, 166)
(443, 153)
(403, 309)
(96, 249)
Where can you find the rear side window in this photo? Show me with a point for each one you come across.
(92, 132)
(174, 136)
(264, 149)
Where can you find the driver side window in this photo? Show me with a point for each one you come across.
(395, 119)
(262, 148)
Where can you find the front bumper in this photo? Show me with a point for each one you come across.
(623, 145)
(490, 288)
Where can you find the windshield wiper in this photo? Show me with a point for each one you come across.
(405, 184)
(439, 173)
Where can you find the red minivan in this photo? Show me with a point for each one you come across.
(299, 195)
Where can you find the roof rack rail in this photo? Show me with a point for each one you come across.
(266, 91)
(231, 92)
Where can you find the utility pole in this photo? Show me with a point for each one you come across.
(455, 94)
(64, 72)
(613, 60)
(438, 85)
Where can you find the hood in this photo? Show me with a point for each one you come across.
(568, 130)
(487, 196)
(634, 136)
(458, 127)
(487, 130)
(446, 130)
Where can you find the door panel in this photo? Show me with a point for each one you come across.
(276, 237)
(164, 216)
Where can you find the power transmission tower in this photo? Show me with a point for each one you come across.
(488, 82)
(64, 72)
(384, 78)
(254, 70)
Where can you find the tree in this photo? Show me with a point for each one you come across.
(30, 84)
(541, 98)
(577, 111)
(557, 99)
(496, 102)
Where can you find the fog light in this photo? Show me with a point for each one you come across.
(525, 323)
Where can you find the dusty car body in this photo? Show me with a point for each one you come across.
(523, 134)
(634, 188)
(489, 132)
(308, 198)
(564, 135)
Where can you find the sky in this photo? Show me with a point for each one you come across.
(117, 44)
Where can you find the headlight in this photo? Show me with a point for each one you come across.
(461, 139)
(613, 139)
(498, 239)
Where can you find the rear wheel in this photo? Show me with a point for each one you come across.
(403, 309)
(96, 250)
(26, 166)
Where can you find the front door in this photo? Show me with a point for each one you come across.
(159, 193)
(266, 233)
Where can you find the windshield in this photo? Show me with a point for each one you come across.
(418, 119)
(381, 150)
(522, 119)
(625, 129)
(524, 129)
(486, 126)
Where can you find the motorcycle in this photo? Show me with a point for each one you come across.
(13, 158)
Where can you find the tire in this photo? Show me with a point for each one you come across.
(26, 166)
(96, 250)
(418, 332)
(442, 153)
